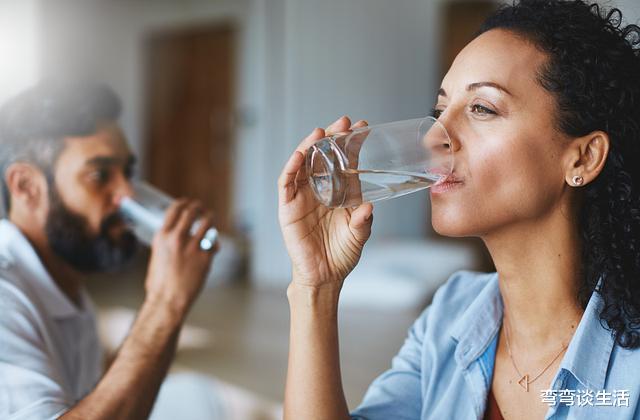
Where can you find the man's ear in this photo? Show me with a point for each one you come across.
(586, 157)
(27, 185)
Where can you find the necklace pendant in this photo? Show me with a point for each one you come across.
(524, 382)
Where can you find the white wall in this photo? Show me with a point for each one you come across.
(20, 48)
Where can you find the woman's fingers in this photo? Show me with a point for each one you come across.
(286, 181)
(294, 166)
(293, 173)
(338, 126)
(308, 141)
(361, 221)
(360, 124)
(341, 124)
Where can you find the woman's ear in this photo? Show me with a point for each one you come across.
(27, 185)
(586, 157)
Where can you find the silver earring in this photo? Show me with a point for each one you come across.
(577, 180)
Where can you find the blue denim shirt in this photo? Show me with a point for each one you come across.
(445, 366)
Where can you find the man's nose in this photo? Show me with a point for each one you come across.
(123, 188)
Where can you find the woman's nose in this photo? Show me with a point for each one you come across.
(448, 120)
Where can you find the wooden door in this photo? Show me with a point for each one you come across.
(189, 116)
(462, 19)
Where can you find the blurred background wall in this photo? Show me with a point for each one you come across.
(20, 45)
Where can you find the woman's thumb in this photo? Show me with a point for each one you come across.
(361, 221)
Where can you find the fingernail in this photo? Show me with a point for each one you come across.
(338, 120)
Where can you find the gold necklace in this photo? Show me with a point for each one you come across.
(524, 379)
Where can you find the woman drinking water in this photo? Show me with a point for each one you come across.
(543, 113)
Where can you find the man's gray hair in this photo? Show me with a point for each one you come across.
(34, 123)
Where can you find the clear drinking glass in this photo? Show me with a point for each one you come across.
(145, 213)
(379, 162)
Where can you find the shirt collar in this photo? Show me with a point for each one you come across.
(20, 256)
(587, 356)
(479, 323)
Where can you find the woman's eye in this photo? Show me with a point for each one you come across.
(482, 110)
(435, 113)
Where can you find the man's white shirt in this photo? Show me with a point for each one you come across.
(50, 354)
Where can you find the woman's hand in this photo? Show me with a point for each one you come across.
(324, 244)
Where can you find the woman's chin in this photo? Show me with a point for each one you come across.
(447, 225)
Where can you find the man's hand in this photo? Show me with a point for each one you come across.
(178, 267)
(176, 273)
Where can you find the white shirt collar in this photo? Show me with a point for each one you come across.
(18, 255)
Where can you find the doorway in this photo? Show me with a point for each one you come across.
(189, 116)
(462, 20)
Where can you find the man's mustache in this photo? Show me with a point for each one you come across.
(112, 219)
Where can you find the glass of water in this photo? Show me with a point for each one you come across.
(145, 212)
(379, 162)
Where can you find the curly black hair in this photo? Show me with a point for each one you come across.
(593, 72)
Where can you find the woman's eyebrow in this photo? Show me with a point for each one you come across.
(474, 86)
(477, 85)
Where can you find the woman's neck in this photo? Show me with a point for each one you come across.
(538, 264)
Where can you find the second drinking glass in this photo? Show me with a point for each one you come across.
(145, 212)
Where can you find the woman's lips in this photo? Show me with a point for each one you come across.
(447, 184)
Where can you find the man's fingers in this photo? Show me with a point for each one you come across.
(205, 223)
(173, 212)
(187, 217)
